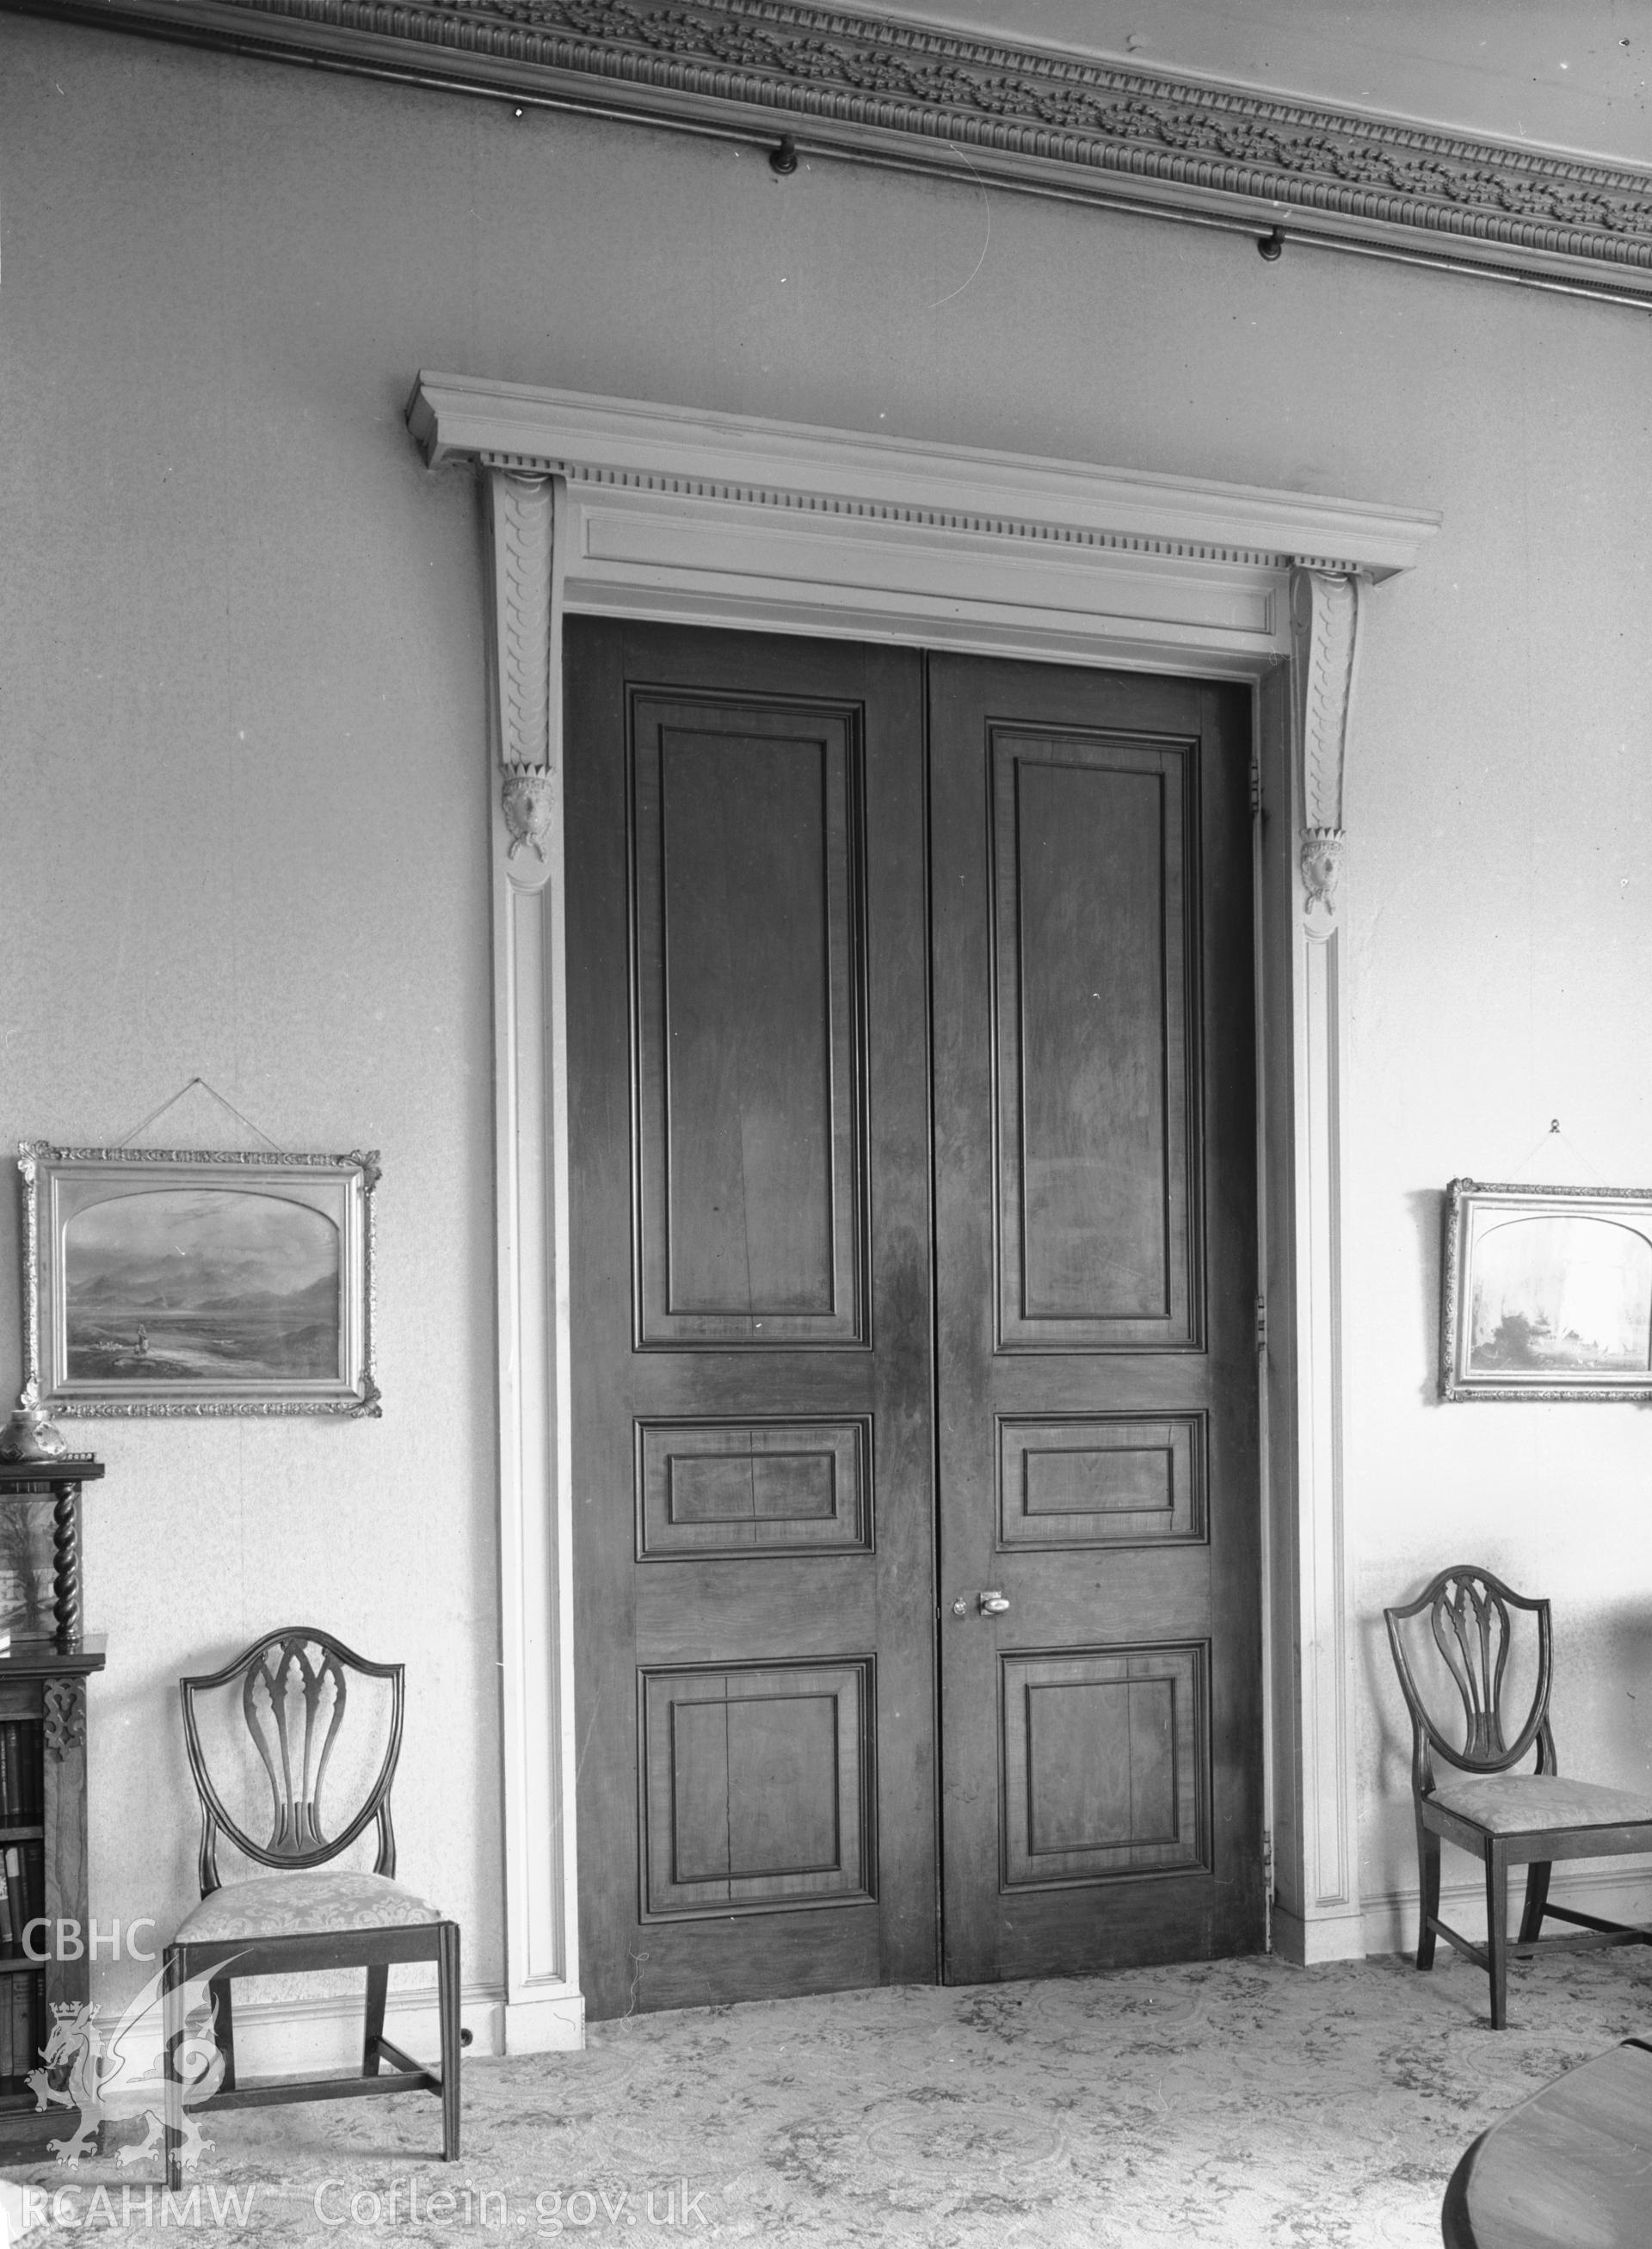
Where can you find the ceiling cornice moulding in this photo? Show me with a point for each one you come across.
(903, 93)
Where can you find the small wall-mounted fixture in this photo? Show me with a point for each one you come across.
(783, 161)
(1269, 246)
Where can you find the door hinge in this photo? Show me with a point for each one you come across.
(1261, 1323)
(1256, 783)
(1267, 1889)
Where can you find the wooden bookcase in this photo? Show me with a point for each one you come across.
(43, 1811)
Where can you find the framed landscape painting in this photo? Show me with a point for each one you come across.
(1546, 1292)
(190, 1282)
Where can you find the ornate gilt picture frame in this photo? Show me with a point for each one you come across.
(192, 1282)
(1546, 1292)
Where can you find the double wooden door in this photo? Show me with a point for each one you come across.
(914, 1255)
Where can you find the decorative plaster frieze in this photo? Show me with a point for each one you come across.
(1324, 633)
(834, 81)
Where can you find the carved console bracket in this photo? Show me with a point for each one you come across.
(1325, 636)
(522, 525)
(526, 800)
(1319, 859)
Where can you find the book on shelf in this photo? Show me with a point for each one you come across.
(21, 1893)
(25, 1871)
(14, 1890)
(19, 1772)
(19, 2005)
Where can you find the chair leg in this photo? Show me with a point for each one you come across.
(1536, 1897)
(1497, 1915)
(1428, 1887)
(447, 1984)
(378, 1984)
(223, 2028)
(174, 1971)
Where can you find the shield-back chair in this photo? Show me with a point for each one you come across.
(303, 1695)
(1505, 1817)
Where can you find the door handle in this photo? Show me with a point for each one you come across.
(993, 1604)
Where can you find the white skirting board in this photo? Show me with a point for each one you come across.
(1339, 1936)
(279, 2037)
(1388, 1923)
(282, 2036)
(1619, 1893)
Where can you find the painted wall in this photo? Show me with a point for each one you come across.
(244, 818)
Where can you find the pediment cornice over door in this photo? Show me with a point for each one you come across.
(902, 93)
(676, 513)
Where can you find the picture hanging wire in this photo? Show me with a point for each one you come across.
(213, 1092)
(1553, 1138)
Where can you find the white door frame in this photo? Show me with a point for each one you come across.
(604, 506)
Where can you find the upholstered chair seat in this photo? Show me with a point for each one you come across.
(304, 1903)
(1519, 1802)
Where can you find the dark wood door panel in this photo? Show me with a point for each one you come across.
(1094, 942)
(715, 1387)
(698, 1612)
(1101, 1598)
(1105, 1765)
(1096, 1273)
(747, 1018)
(1119, 1924)
(719, 1963)
(1169, 1382)
(1083, 1480)
(757, 1788)
(753, 1434)
(734, 1489)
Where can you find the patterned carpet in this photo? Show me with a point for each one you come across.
(1241, 2102)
